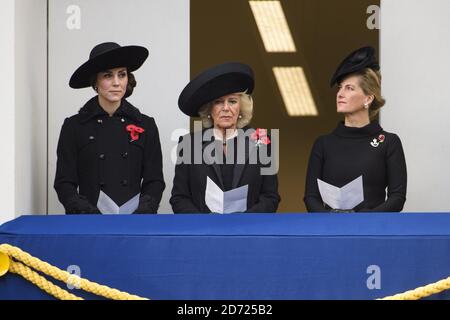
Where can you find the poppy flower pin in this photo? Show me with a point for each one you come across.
(377, 141)
(134, 131)
(260, 137)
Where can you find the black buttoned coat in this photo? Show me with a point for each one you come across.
(189, 183)
(96, 152)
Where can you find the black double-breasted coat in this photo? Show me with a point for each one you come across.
(96, 152)
(189, 184)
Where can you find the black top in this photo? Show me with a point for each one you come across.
(347, 153)
(96, 152)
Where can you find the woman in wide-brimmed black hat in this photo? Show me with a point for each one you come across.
(109, 154)
(358, 148)
(227, 154)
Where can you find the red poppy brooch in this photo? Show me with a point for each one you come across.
(376, 142)
(134, 131)
(260, 137)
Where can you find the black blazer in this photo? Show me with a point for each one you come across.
(189, 184)
(95, 152)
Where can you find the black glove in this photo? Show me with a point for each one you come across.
(80, 205)
(147, 204)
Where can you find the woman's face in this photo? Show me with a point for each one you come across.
(225, 111)
(350, 97)
(112, 84)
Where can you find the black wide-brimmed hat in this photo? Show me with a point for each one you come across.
(354, 62)
(214, 83)
(105, 56)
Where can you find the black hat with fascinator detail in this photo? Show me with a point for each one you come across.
(354, 62)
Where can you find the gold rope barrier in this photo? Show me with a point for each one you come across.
(25, 262)
(422, 292)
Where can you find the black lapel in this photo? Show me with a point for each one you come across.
(239, 167)
(213, 161)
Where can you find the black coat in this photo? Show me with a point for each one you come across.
(95, 152)
(347, 153)
(189, 184)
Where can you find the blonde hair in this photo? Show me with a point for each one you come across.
(245, 112)
(370, 82)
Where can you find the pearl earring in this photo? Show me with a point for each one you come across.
(366, 106)
(209, 116)
(240, 116)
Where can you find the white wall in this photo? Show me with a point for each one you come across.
(415, 51)
(7, 206)
(31, 106)
(24, 111)
(162, 26)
